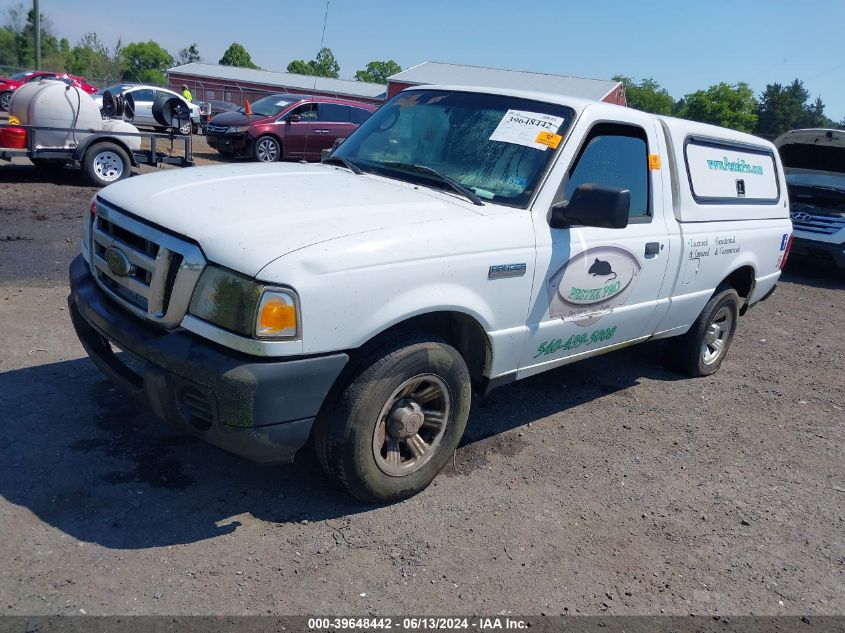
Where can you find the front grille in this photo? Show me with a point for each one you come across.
(815, 223)
(162, 269)
(217, 129)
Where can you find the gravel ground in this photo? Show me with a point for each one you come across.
(612, 486)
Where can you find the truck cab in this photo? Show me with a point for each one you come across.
(459, 240)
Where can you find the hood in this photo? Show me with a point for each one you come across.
(817, 150)
(245, 216)
(233, 117)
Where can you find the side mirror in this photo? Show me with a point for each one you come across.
(294, 118)
(593, 205)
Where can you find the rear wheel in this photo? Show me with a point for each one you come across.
(704, 347)
(105, 163)
(267, 149)
(5, 99)
(397, 421)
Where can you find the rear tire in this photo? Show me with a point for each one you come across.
(267, 149)
(703, 348)
(399, 418)
(106, 163)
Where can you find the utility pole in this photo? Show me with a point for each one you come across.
(37, 10)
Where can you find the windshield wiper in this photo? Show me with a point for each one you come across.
(348, 163)
(454, 184)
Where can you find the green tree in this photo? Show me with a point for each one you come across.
(90, 58)
(14, 21)
(786, 107)
(20, 49)
(189, 55)
(731, 106)
(647, 95)
(781, 108)
(8, 48)
(323, 65)
(377, 72)
(236, 55)
(145, 62)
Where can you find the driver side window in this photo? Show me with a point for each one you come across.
(615, 156)
(306, 112)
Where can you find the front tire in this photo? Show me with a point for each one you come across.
(267, 149)
(397, 421)
(703, 348)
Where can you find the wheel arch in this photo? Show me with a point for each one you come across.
(742, 279)
(460, 329)
(82, 149)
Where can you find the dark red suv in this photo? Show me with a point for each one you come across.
(286, 126)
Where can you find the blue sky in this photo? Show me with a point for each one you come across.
(684, 45)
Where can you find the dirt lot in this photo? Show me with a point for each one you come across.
(611, 486)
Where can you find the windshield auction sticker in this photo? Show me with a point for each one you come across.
(525, 128)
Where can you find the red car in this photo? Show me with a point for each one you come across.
(9, 84)
(284, 126)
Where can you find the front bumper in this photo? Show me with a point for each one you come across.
(234, 143)
(258, 408)
(813, 249)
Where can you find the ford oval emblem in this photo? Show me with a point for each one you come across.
(118, 262)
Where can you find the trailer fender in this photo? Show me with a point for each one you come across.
(80, 150)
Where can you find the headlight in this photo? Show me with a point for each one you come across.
(244, 306)
(237, 129)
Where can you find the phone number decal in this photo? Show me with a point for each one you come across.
(575, 341)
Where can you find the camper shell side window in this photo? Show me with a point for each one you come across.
(725, 172)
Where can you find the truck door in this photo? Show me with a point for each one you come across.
(598, 287)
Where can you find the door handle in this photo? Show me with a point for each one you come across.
(652, 249)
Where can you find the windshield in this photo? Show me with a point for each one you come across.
(498, 147)
(269, 106)
(19, 76)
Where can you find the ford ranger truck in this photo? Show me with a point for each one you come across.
(459, 240)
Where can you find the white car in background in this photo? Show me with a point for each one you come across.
(144, 97)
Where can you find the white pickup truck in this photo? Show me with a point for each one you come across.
(459, 240)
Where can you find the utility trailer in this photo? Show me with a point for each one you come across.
(105, 156)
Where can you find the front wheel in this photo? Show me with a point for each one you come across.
(704, 347)
(397, 421)
(105, 163)
(267, 150)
